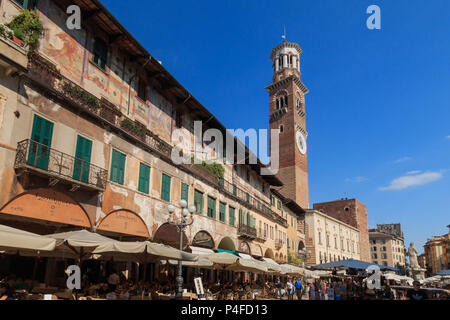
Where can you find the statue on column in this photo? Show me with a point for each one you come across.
(412, 253)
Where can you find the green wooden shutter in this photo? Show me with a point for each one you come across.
(41, 137)
(198, 201)
(165, 187)
(100, 53)
(82, 159)
(184, 192)
(117, 167)
(231, 215)
(144, 178)
(222, 211)
(211, 207)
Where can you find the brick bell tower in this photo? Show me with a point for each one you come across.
(287, 113)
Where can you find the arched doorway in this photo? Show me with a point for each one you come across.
(125, 225)
(203, 240)
(244, 247)
(227, 244)
(45, 211)
(269, 254)
(301, 246)
(170, 235)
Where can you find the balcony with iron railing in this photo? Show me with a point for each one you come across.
(42, 160)
(261, 236)
(260, 206)
(247, 231)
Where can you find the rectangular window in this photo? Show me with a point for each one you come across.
(211, 207)
(231, 211)
(198, 201)
(279, 204)
(184, 192)
(144, 178)
(222, 211)
(165, 187)
(100, 54)
(117, 167)
(234, 190)
(142, 90)
(247, 197)
(82, 160)
(41, 136)
(27, 4)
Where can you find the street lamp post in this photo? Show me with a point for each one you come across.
(184, 220)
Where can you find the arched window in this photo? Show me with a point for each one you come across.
(281, 128)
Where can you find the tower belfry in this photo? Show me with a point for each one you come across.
(287, 113)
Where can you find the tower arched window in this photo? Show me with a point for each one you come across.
(281, 128)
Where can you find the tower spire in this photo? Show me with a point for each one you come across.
(284, 34)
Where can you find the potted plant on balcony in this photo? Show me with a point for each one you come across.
(27, 28)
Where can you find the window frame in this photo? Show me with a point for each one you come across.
(146, 187)
(99, 57)
(112, 177)
(166, 194)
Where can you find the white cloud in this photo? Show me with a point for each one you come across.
(359, 179)
(448, 137)
(412, 180)
(404, 159)
(414, 172)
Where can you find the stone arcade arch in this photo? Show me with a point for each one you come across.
(45, 211)
(170, 235)
(269, 254)
(204, 240)
(227, 244)
(124, 223)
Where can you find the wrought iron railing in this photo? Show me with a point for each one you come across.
(264, 208)
(33, 154)
(247, 230)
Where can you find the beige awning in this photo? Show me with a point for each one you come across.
(222, 259)
(273, 266)
(247, 265)
(140, 252)
(77, 244)
(292, 270)
(202, 262)
(13, 240)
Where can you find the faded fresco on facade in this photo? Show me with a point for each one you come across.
(62, 46)
(160, 116)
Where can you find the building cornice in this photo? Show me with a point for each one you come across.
(284, 45)
(283, 82)
(324, 215)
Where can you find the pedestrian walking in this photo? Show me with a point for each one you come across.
(298, 288)
(290, 289)
(330, 292)
(312, 291)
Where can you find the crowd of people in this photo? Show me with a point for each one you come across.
(117, 287)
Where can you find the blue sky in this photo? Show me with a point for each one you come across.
(378, 111)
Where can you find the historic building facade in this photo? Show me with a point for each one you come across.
(329, 239)
(351, 212)
(86, 125)
(437, 254)
(387, 248)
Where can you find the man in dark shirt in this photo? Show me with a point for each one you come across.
(416, 293)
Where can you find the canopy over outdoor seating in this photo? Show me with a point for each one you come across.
(140, 252)
(222, 259)
(353, 264)
(273, 266)
(292, 270)
(202, 262)
(13, 240)
(78, 244)
(398, 278)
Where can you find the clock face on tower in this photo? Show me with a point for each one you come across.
(301, 142)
